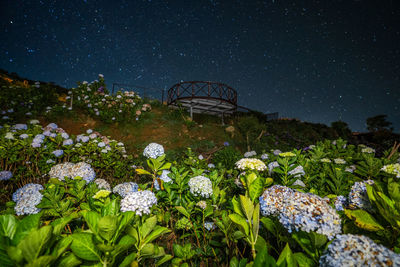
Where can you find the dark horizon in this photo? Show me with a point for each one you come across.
(319, 62)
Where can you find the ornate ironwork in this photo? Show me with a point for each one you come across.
(203, 97)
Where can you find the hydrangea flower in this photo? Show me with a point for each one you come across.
(27, 198)
(200, 185)
(211, 166)
(164, 176)
(68, 142)
(350, 169)
(153, 150)
(340, 203)
(64, 135)
(23, 136)
(264, 156)
(300, 211)
(297, 172)
(209, 226)
(272, 165)
(50, 161)
(20, 126)
(71, 170)
(183, 224)
(392, 169)
(52, 126)
(9, 136)
(368, 150)
(276, 152)
(326, 160)
(140, 202)
(102, 184)
(358, 197)
(5, 175)
(58, 153)
(33, 122)
(202, 204)
(357, 250)
(102, 194)
(251, 163)
(250, 154)
(25, 191)
(287, 154)
(125, 188)
(339, 161)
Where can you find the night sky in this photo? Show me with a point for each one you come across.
(318, 61)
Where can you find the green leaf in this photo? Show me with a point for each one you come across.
(178, 251)
(394, 190)
(363, 220)
(35, 242)
(148, 250)
(83, 247)
(125, 219)
(256, 220)
(62, 246)
(107, 226)
(128, 260)
(236, 206)
(141, 171)
(157, 232)
(69, 260)
(112, 208)
(286, 257)
(5, 259)
(42, 261)
(8, 225)
(256, 188)
(303, 260)
(183, 211)
(247, 206)
(269, 224)
(15, 254)
(264, 259)
(239, 220)
(148, 226)
(164, 259)
(60, 223)
(92, 219)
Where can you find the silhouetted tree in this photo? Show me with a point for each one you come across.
(378, 123)
(341, 128)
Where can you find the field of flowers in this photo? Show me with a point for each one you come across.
(81, 200)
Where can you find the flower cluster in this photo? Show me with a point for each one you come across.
(339, 161)
(26, 199)
(297, 172)
(125, 188)
(183, 224)
(250, 154)
(71, 170)
(358, 197)
(153, 150)
(102, 184)
(272, 165)
(250, 163)
(202, 204)
(209, 226)
(5, 175)
(287, 154)
(340, 203)
(102, 194)
(140, 202)
(200, 185)
(326, 160)
(357, 250)
(392, 169)
(300, 211)
(95, 99)
(368, 150)
(164, 177)
(264, 156)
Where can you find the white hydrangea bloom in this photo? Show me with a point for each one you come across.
(200, 186)
(251, 163)
(300, 211)
(357, 250)
(153, 150)
(140, 202)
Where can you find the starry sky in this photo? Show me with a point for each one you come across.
(318, 61)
